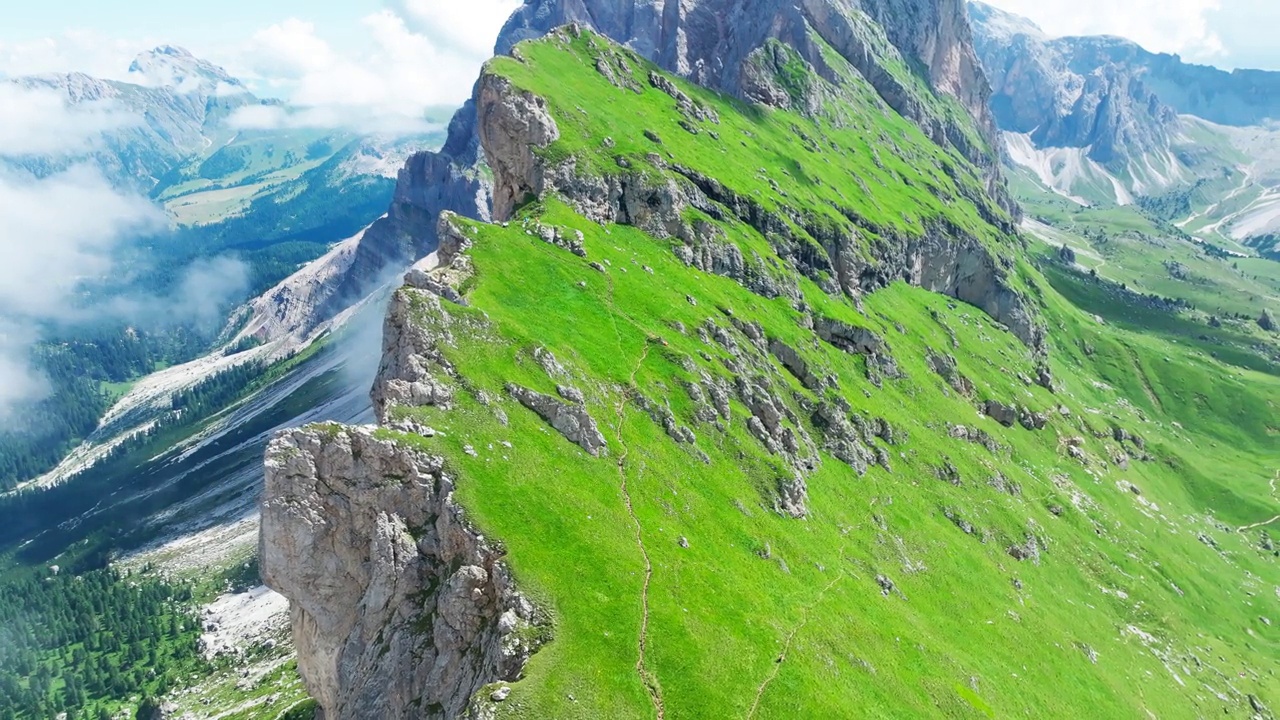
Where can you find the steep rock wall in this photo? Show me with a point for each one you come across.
(400, 609)
(943, 259)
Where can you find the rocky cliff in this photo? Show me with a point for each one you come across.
(360, 530)
(428, 184)
(400, 609)
(692, 375)
(728, 45)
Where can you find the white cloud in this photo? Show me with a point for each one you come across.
(74, 51)
(1174, 26)
(405, 64)
(387, 70)
(40, 121)
(468, 28)
(18, 382)
(46, 250)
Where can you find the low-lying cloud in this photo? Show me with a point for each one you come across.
(415, 55)
(62, 232)
(41, 121)
(55, 233)
(199, 297)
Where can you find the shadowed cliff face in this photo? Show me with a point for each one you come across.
(708, 40)
(428, 184)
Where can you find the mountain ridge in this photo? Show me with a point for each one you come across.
(447, 180)
(672, 279)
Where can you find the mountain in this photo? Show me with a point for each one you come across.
(1159, 176)
(174, 134)
(261, 202)
(729, 387)
(174, 107)
(726, 379)
(169, 66)
(744, 56)
(1100, 119)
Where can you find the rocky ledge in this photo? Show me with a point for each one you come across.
(400, 609)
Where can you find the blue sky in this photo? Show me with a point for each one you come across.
(184, 23)
(401, 55)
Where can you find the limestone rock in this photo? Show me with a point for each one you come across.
(569, 420)
(858, 341)
(945, 366)
(793, 496)
(413, 371)
(1006, 415)
(718, 44)
(428, 184)
(399, 608)
(512, 124)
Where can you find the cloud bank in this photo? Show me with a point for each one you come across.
(39, 121)
(408, 62)
(54, 233)
(62, 231)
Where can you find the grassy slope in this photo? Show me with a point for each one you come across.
(784, 618)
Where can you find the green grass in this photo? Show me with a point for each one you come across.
(859, 156)
(117, 390)
(969, 631)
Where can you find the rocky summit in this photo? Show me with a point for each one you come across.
(744, 49)
(733, 388)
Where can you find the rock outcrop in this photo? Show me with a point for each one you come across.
(568, 418)
(513, 125)
(945, 259)
(400, 609)
(413, 372)
(430, 183)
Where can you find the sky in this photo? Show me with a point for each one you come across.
(396, 55)
(400, 56)
(1226, 33)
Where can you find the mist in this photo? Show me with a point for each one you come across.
(64, 233)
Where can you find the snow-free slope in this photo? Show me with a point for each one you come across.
(662, 428)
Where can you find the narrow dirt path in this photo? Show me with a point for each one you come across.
(1247, 528)
(786, 647)
(647, 678)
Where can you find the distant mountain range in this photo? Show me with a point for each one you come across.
(176, 135)
(1101, 119)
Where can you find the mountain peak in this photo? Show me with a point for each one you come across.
(173, 66)
(995, 22)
